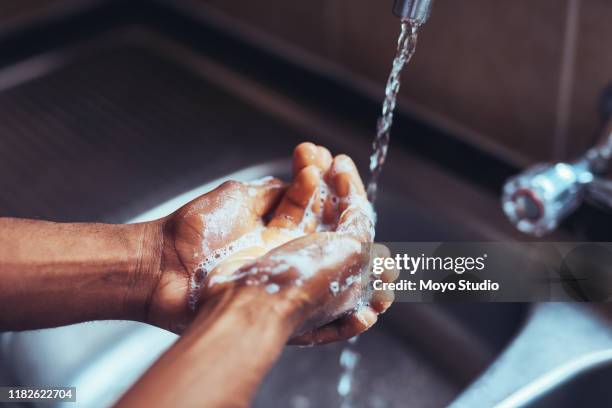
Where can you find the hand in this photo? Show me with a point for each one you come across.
(196, 232)
(322, 272)
(308, 255)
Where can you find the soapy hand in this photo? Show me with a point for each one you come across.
(309, 254)
(198, 231)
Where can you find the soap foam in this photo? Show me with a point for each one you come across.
(308, 260)
(359, 211)
(305, 261)
(216, 257)
(334, 288)
(219, 222)
(261, 182)
(272, 288)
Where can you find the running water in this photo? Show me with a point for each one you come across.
(349, 357)
(406, 45)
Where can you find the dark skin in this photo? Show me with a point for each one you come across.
(56, 274)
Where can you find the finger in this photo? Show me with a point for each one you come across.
(308, 154)
(357, 222)
(357, 322)
(345, 178)
(341, 329)
(389, 274)
(258, 196)
(299, 197)
(265, 194)
(226, 213)
(381, 300)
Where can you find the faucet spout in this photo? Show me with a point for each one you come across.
(417, 11)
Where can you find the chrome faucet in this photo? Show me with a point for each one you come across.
(537, 200)
(417, 11)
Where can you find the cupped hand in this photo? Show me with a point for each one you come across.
(302, 244)
(198, 231)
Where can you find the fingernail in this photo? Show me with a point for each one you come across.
(367, 316)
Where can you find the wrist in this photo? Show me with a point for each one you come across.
(250, 306)
(237, 332)
(144, 272)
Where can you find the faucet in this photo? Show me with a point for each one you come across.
(538, 199)
(417, 11)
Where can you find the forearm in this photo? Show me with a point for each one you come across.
(223, 356)
(61, 273)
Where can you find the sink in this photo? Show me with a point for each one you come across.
(588, 387)
(102, 359)
(559, 345)
(144, 120)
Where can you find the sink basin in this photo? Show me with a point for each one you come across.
(143, 121)
(587, 387)
(102, 359)
(560, 344)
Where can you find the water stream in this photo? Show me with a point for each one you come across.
(406, 45)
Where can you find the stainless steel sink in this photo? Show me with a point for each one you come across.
(559, 343)
(419, 354)
(587, 387)
(102, 359)
(142, 119)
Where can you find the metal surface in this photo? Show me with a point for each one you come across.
(102, 359)
(417, 11)
(113, 130)
(121, 125)
(559, 343)
(589, 387)
(539, 198)
(86, 130)
(17, 14)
